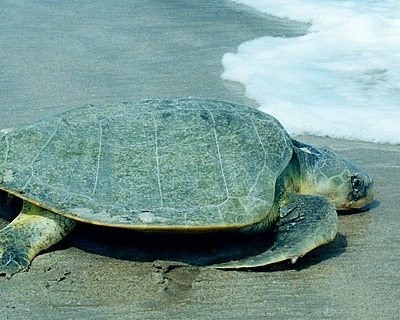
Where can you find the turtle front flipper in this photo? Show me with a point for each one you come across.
(33, 230)
(306, 222)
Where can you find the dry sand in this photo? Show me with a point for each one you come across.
(59, 55)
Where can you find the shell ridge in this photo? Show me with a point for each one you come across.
(244, 207)
(157, 159)
(7, 150)
(96, 179)
(219, 154)
(39, 153)
(265, 156)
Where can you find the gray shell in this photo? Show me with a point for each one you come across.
(184, 163)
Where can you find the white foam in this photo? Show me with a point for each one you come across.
(341, 79)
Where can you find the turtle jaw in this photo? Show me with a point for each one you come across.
(356, 204)
(357, 200)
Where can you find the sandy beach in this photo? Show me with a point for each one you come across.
(55, 56)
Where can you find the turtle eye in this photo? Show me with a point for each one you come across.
(356, 183)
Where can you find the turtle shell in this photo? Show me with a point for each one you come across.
(150, 164)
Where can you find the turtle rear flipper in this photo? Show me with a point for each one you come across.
(306, 223)
(33, 230)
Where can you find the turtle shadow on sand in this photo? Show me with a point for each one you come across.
(192, 249)
(199, 250)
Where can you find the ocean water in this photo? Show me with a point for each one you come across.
(341, 79)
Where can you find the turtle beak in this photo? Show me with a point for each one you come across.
(369, 194)
(358, 204)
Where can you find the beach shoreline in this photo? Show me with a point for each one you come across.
(57, 56)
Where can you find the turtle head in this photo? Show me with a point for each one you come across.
(328, 174)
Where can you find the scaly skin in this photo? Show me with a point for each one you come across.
(34, 230)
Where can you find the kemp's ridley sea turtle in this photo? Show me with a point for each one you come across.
(181, 165)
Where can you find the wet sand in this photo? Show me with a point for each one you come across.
(56, 56)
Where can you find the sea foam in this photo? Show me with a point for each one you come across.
(341, 79)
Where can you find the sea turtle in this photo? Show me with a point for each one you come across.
(189, 165)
